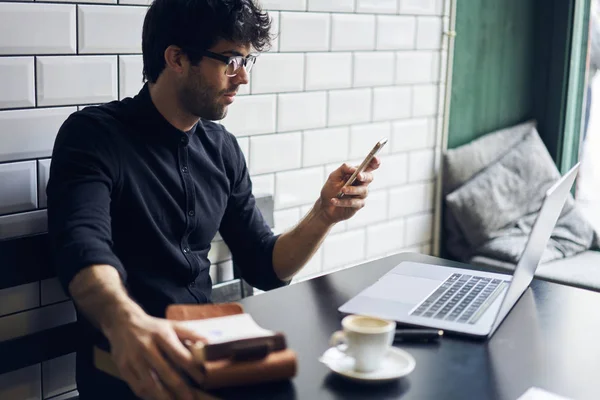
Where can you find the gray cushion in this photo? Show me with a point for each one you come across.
(462, 163)
(497, 208)
(505, 192)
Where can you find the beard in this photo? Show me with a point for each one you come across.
(201, 99)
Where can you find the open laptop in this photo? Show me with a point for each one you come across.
(461, 300)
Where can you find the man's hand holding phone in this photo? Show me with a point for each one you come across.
(346, 188)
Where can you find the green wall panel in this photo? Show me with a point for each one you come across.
(494, 60)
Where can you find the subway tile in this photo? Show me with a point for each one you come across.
(436, 71)
(413, 134)
(304, 31)
(343, 249)
(328, 70)
(374, 68)
(251, 115)
(421, 7)
(110, 29)
(322, 146)
(18, 187)
(59, 375)
(225, 271)
(385, 238)
(39, 319)
(134, 2)
(19, 298)
(392, 102)
(349, 106)
(17, 82)
(286, 219)
(375, 210)
(363, 138)
(130, 75)
(76, 80)
(331, 5)
(263, 184)
(244, 89)
(79, 2)
(72, 395)
(293, 5)
(244, 143)
(393, 171)
(274, 31)
(412, 199)
(271, 153)
(415, 67)
(396, 32)
(28, 28)
(219, 252)
(30, 133)
(429, 33)
(52, 291)
(424, 102)
(421, 165)
(352, 32)
(24, 383)
(377, 6)
(418, 229)
(278, 72)
(301, 111)
(29, 223)
(295, 188)
(43, 168)
(213, 273)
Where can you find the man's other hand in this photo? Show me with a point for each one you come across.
(149, 352)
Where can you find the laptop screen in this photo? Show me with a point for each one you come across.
(552, 206)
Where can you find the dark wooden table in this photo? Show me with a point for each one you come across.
(551, 339)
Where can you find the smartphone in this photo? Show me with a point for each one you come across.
(378, 146)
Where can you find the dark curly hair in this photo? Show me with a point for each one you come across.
(196, 25)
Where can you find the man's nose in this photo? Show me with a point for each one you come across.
(242, 77)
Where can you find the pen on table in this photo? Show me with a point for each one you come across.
(418, 335)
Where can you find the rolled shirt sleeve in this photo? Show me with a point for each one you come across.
(83, 175)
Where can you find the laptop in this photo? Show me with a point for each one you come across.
(460, 300)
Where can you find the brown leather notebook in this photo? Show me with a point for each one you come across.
(234, 363)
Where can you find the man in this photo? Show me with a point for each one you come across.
(138, 189)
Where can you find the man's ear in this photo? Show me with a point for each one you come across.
(175, 59)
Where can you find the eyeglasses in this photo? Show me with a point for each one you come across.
(233, 63)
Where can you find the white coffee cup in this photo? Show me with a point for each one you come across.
(366, 339)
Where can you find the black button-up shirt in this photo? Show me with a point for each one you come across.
(130, 190)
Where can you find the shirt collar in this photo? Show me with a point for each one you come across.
(153, 122)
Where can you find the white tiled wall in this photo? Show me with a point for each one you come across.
(340, 75)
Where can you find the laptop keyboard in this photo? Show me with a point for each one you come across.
(460, 298)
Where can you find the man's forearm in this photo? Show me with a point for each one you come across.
(295, 248)
(99, 294)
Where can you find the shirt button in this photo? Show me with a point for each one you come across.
(184, 140)
(191, 213)
(184, 170)
(186, 250)
(192, 284)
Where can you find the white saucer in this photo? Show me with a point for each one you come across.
(396, 364)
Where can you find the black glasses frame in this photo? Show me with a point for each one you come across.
(250, 59)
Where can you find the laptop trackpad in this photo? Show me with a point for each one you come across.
(402, 288)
